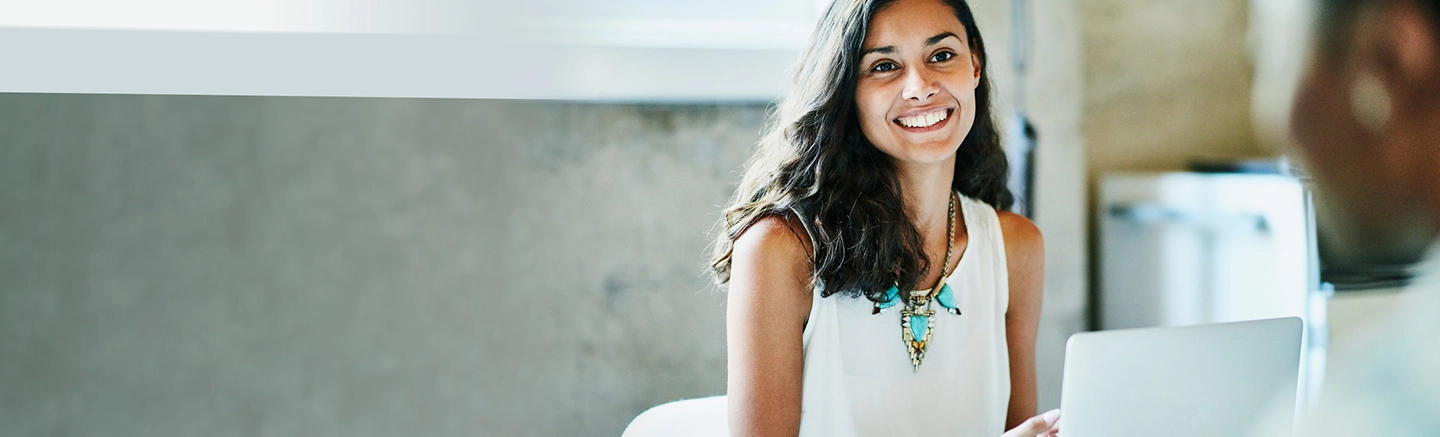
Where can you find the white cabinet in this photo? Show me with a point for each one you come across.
(1189, 248)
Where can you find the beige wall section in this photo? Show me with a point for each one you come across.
(1054, 98)
(1279, 44)
(1166, 81)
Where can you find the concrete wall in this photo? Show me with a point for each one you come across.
(306, 266)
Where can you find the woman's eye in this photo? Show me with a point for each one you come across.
(884, 66)
(942, 56)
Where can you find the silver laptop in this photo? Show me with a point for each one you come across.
(1205, 380)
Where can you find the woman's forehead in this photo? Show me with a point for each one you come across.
(911, 22)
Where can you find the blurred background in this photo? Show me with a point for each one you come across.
(450, 218)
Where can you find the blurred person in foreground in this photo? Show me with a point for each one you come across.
(1366, 123)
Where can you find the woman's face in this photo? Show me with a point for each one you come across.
(916, 92)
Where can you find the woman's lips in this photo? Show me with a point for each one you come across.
(925, 121)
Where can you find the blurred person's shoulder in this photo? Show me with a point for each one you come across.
(1386, 380)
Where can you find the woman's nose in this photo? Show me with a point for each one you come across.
(918, 85)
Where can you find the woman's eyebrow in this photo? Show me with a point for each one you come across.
(882, 50)
(937, 38)
(891, 49)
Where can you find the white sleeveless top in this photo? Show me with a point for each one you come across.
(858, 379)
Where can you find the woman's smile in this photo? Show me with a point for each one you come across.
(924, 120)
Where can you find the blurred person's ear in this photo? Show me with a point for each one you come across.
(1364, 123)
(1403, 48)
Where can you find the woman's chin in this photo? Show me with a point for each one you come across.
(925, 154)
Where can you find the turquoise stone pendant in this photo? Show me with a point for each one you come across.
(915, 327)
(917, 324)
(947, 300)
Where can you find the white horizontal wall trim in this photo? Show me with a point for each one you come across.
(491, 66)
(635, 50)
(303, 16)
(789, 35)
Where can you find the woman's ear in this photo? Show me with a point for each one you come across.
(975, 62)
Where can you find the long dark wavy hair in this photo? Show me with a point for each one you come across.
(815, 161)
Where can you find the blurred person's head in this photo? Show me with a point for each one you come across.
(1366, 121)
(863, 103)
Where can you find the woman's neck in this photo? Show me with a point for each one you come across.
(926, 190)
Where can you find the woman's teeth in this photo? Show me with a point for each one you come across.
(924, 120)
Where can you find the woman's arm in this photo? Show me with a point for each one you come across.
(1025, 258)
(768, 302)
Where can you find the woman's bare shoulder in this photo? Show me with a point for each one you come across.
(1022, 238)
(773, 255)
(774, 238)
(1025, 265)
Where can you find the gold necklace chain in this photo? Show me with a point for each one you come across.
(949, 246)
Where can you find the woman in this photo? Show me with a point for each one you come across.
(882, 172)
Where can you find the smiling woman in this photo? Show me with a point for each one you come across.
(882, 171)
